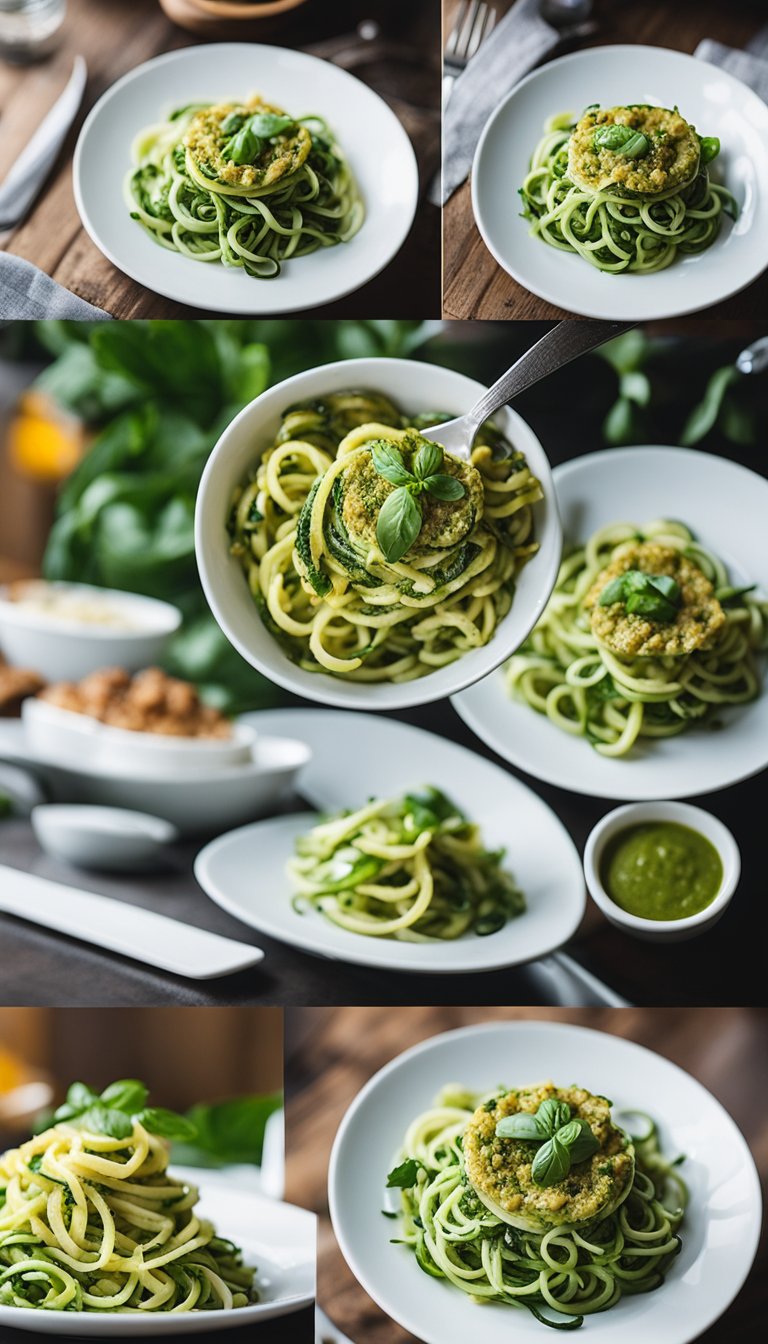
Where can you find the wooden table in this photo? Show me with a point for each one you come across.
(474, 285)
(333, 1052)
(117, 35)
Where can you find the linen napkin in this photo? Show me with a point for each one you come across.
(518, 42)
(27, 292)
(750, 69)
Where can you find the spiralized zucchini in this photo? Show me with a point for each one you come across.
(413, 868)
(617, 231)
(559, 1275)
(329, 595)
(93, 1223)
(190, 199)
(565, 672)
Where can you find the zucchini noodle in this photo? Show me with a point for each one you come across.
(564, 671)
(611, 229)
(560, 1272)
(94, 1223)
(414, 869)
(298, 195)
(318, 576)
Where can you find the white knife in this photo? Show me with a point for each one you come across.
(121, 927)
(38, 156)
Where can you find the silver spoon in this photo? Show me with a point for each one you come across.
(563, 343)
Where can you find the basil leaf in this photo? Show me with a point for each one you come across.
(583, 1143)
(79, 1095)
(612, 592)
(710, 147)
(232, 123)
(100, 1119)
(444, 487)
(522, 1126)
(388, 461)
(622, 140)
(651, 604)
(656, 596)
(404, 1176)
(267, 124)
(551, 1163)
(167, 1124)
(428, 460)
(553, 1114)
(398, 525)
(127, 1095)
(243, 147)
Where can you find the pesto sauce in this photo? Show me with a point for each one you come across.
(661, 870)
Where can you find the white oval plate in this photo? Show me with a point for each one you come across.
(726, 506)
(356, 756)
(279, 1239)
(378, 149)
(722, 1224)
(713, 100)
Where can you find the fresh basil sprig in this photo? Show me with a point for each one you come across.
(250, 133)
(400, 517)
(404, 1176)
(114, 1112)
(622, 140)
(656, 596)
(562, 1139)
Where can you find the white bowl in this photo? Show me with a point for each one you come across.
(685, 814)
(65, 650)
(101, 837)
(413, 386)
(79, 739)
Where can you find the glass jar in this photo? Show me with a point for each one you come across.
(28, 28)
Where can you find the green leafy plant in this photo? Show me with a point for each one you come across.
(656, 596)
(114, 1111)
(404, 1176)
(228, 1131)
(561, 1138)
(400, 516)
(622, 140)
(250, 134)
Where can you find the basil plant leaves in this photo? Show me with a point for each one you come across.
(655, 596)
(114, 1111)
(562, 1139)
(400, 517)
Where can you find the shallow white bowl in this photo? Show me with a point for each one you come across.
(413, 386)
(722, 1225)
(662, 930)
(78, 739)
(65, 650)
(101, 837)
(714, 101)
(378, 149)
(198, 804)
(636, 485)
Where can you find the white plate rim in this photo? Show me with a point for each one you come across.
(462, 701)
(588, 308)
(179, 294)
(379, 953)
(519, 1027)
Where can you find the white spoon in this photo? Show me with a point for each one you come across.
(563, 343)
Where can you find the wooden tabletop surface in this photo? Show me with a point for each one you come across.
(115, 36)
(474, 284)
(333, 1052)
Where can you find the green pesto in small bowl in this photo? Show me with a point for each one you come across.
(661, 870)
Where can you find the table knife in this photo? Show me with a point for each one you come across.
(38, 156)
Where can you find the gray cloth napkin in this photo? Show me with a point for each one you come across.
(27, 292)
(518, 42)
(751, 70)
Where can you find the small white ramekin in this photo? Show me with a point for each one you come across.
(662, 930)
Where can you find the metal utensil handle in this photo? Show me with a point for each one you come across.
(563, 343)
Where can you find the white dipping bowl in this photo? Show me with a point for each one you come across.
(685, 814)
(101, 837)
(413, 386)
(77, 739)
(65, 649)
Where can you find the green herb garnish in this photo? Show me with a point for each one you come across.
(404, 1176)
(562, 1139)
(248, 141)
(115, 1110)
(400, 517)
(622, 140)
(656, 596)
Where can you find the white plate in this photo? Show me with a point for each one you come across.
(279, 1239)
(378, 149)
(197, 803)
(722, 1224)
(355, 756)
(713, 100)
(726, 506)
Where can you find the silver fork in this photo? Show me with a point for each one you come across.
(474, 21)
